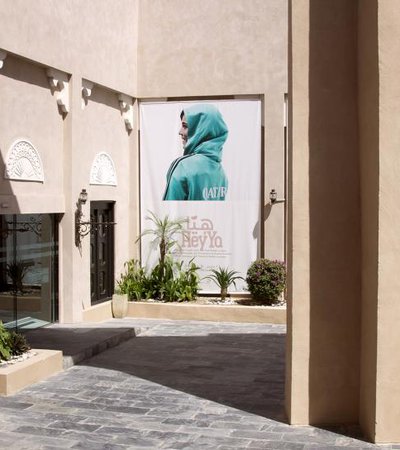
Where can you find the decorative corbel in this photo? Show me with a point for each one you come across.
(59, 86)
(126, 107)
(3, 56)
(87, 87)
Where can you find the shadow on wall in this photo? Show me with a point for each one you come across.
(5, 185)
(335, 246)
(23, 71)
(105, 97)
(111, 99)
(8, 202)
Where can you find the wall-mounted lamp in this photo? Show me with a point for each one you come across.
(82, 197)
(273, 197)
(83, 228)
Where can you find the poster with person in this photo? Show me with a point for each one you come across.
(201, 160)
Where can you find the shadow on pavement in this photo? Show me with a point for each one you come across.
(78, 343)
(244, 371)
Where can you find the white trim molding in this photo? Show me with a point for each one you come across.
(3, 56)
(23, 162)
(59, 85)
(126, 107)
(103, 170)
(87, 87)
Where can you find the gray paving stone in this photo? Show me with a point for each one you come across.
(182, 421)
(89, 445)
(69, 425)
(40, 442)
(176, 385)
(198, 431)
(6, 403)
(215, 441)
(275, 445)
(259, 435)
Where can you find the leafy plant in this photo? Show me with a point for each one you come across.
(5, 344)
(174, 282)
(170, 281)
(11, 343)
(223, 278)
(187, 282)
(165, 231)
(132, 281)
(18, 344)
(266, 280)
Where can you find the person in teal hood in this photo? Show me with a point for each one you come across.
(198, 174)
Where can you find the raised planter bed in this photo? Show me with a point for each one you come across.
(38, 367)
(192, 311)
(216, 313)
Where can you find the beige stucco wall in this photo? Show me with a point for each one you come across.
(29, 111)
(96, 41)
(102, 129)
(225, 48)
(132, 47)
(343, 249)
(379, 141)
(94, 36)
(99, 127)
(343, 245)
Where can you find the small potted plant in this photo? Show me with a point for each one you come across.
(119, 304)
(130, 286)
(223, 278)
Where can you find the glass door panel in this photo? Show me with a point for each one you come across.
(28, 270)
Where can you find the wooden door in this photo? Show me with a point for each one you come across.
(101, 252)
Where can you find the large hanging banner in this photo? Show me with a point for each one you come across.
(201, 160)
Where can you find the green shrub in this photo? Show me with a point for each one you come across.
(5, 344)
(168, 281)
(266, 280)
(11, 344)
(18, 344)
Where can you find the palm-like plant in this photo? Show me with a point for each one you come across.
(223, 278)
(165, 232)
(17, 271)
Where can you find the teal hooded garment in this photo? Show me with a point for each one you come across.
(198, 174)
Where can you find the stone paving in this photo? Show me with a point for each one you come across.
(177, 385)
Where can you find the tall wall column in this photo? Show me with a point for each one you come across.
(379, 108)
(70, 267)
(298, 317)
(324, 215)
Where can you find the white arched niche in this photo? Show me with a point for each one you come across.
(23, 162)
(103, 170)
